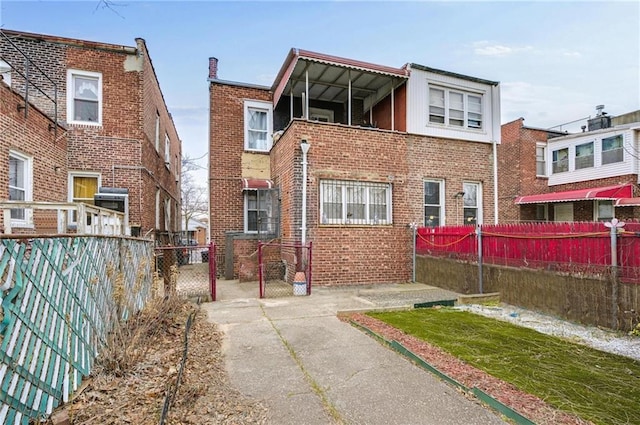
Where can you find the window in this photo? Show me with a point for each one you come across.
(433, 203)
(349, 202)
(258, 126)
(82, 187)
(472, 201)
(261, 211)
(541, 160)
(603, 210)
(5, 72)
(560, 160)
(84, 97)
(157, 133)
(584, 155)
(167, 150)
(322, 115)
(612, 150)
(563, 211)
(455, 108)
(542, 212)
(157, 208)
(20, 187)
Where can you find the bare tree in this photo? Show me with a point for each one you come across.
(194, 196)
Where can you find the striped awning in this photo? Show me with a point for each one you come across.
(254, 184)
(597, 193)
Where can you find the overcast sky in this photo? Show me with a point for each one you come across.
(555, 60)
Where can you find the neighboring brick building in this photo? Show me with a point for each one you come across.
(119, 131)
(387, 147)
(551, 176)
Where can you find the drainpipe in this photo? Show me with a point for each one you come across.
(304, 146)
(495, 181)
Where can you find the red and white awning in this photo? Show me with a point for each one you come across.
(255, 184)
(618, 192)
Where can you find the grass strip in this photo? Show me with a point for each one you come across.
(597, 386)
(329, 407)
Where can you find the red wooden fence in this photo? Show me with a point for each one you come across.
(579, 247)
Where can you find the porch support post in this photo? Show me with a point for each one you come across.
(349, 101)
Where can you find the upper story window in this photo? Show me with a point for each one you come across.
(258, 126)
(167, 150)
(560, 160)
(20, 187)
(5, 72)
(541, 160)
(350, 202)
(84, 97)
(455, 108)
(157, 133)
(584, 155)
(612, 150)
(433, 203)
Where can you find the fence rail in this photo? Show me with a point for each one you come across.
(579, 248)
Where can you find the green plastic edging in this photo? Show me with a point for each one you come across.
(370, 332)
(429, 304)
(505, 410)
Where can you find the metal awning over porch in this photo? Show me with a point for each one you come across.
(255, 184)
(617, 192)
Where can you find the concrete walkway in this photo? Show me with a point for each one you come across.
(309, 368)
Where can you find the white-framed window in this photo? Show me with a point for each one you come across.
(157, 208)
(167, 214)
(560, 159)
(353, 202)
(5, 72)
(167, 150)
(455, 108)
(261, 211)
(83, 186)
(84, 97)
(433, 203)
(603, 210)
(157, 132)
(612, 150)
(258, 125)
(584, 156)
(20, 187)
(322, 115)
(541, 160)
(472, 203)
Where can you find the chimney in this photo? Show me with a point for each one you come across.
(213, 68)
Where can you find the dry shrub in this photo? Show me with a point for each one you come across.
(129, 341)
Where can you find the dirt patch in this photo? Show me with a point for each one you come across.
(129, 383)
(526, 404)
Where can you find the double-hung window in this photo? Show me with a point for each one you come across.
(541, 160)
(584, 156)
(560, 160)
(20, 187)
(84, 97)
(350, 202)
(258, 126)
(612, 150)
(455, 108)
(157, 131)
(82, 188)
(433, 203)
(472, 201)
(604, 210)
(261, 211)
(167, 150)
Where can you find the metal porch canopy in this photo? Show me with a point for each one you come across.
(597, 193)
(254, 184)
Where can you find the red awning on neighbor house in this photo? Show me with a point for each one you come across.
(600, 193)
(253, 184)
(627, 202)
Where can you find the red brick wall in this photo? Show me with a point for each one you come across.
(31, 136)
(226, 147)
(371, 254)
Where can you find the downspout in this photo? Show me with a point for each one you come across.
(304, 146)
(495, 181)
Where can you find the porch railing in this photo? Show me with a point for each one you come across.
(89, 219)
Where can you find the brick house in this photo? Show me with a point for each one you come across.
(119, 133)
(386, 147)
(586, 176)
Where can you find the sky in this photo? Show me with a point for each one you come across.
(555, 61)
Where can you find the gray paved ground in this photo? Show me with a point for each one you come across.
(309, 368)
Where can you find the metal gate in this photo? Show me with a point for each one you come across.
(187, 270)
(284, 269)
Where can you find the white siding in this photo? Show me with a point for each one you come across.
(598, 171)
(418, 107)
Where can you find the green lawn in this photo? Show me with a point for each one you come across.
(598, 386)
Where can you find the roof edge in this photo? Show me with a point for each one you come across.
(453, 74)
(72, 41)
(237, 84)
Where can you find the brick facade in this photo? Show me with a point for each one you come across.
(122, 149)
